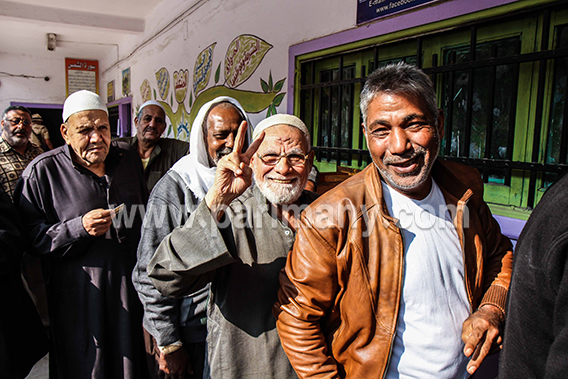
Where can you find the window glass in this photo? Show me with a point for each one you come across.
(489, 104)
(554, 153)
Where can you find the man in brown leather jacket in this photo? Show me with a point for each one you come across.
(392, 266)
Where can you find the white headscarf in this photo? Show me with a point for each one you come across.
(194, 168)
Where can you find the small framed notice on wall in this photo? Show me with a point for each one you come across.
(81, 74)
(110, 91)
(126, 82)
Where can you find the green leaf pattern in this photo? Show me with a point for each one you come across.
(163, 79)
(202, 69)
(243, 57)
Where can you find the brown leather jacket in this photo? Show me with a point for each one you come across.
(340, 292)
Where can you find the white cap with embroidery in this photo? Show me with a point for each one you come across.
(281, 119)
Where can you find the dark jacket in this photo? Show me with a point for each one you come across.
(536, 331)
(167, 152)
(339, 299)
(23, 340)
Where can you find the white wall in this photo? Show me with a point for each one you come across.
(30, 90)
(279, 23)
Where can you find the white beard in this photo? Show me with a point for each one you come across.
(278, 193)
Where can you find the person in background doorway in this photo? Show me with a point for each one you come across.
(40, 134)
(401, 270)
(81, 204)
(175, 329)
(157, 154)
(16, 150)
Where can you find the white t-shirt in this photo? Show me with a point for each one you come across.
(434, 302)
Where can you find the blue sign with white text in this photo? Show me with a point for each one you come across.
(368, 10)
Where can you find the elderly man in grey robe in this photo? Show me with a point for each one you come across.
(238, 239)
(174, 329)
(81, 205)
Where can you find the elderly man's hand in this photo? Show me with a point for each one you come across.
(175, 365)
(97, 221)
(479, 332)
(233, 175)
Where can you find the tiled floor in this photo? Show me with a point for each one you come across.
(40, 370)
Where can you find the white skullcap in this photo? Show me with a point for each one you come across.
(281, 119)
(151, 102)
(82, 101)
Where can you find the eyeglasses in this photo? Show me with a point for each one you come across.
(292, 159)
(17, 121)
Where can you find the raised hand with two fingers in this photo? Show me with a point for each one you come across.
(233, 175)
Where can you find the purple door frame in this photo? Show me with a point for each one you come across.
(124, 115)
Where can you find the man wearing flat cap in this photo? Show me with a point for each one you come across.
(249, 231)
(40, 134)
(81, 204)
(157, 154)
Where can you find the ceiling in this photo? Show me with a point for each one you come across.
(86, 29)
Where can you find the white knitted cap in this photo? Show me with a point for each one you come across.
(281, 119)
(82, 101)
(151, 102)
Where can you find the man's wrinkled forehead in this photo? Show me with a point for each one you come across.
(17, 113)
(153, 110)
(287, 136)
(87, 118)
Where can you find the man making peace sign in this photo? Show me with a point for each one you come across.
(238, 239)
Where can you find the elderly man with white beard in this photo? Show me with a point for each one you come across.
(249, 230)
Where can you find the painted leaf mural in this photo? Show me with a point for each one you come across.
(243, 57)
(181, 78)
(145, 91)
(163, 79)
(202, 69)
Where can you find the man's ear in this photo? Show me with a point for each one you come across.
(136, 122)
(310, 160)
(311, 156)
(65, 133)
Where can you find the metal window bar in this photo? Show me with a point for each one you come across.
(450, 108)
(361, 136)
(564, 135)
(329, 117)
(340, 110)
(539, 107)
(513, 114)
(470, 87)
(419, 52)
(491, 102)
(349, 123)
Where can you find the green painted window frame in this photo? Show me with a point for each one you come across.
(508, 200)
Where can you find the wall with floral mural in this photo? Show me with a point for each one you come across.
(241, 59)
